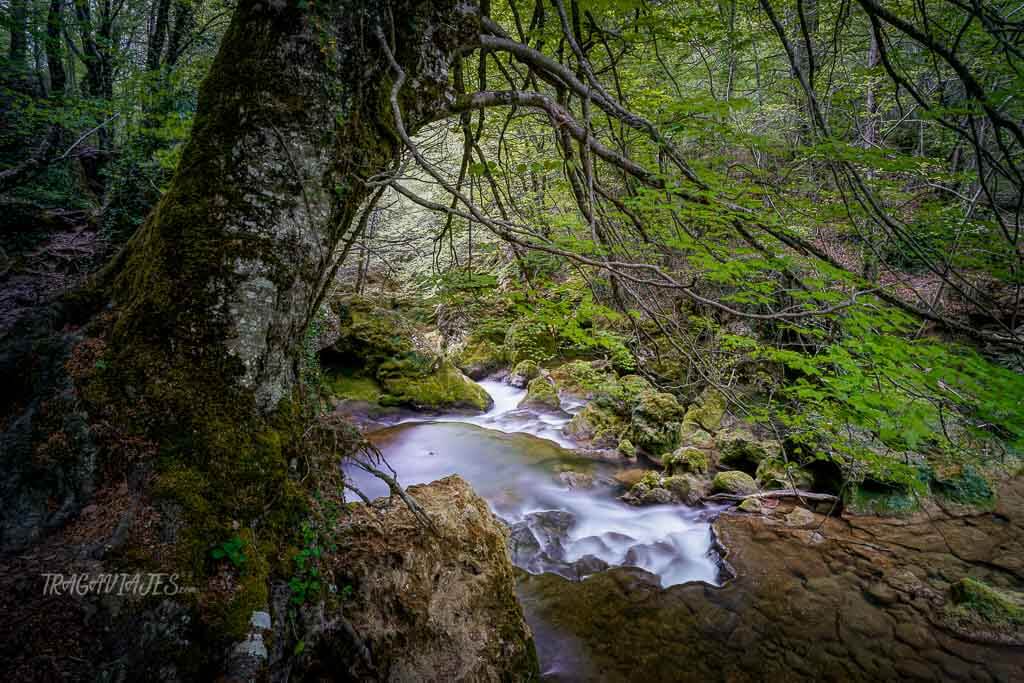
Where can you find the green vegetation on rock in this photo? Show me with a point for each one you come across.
(733, 481)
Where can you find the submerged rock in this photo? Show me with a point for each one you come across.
(425, 606)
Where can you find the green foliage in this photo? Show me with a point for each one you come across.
(306, 582)
(232, 550)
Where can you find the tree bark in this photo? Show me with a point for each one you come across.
(293, 119)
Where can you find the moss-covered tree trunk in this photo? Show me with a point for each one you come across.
(213, 296)
(293, 120)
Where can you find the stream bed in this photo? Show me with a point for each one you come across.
(838, 599)
(562, 507)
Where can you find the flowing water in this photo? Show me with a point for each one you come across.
(562, 507)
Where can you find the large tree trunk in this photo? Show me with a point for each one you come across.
(293, 119)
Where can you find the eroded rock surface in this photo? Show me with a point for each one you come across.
(424, 606)
(857, 598)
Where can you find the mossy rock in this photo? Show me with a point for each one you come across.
(986, 613)
(529, 340)
(627, 448)
(479, 358)
(963, 484)
(621, 394)
(541, 393)
(654, 424)
(595, 426)
(774, 474)
(708, 412)
(686, 488)
(751, 505)
(527, 369)
(741, 450)
(353, 387)
(879, 498)
(445, 388)
(734, 481)
(686, 459)
(371, 332)
(692, 434)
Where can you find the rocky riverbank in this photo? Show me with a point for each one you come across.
(851, 598)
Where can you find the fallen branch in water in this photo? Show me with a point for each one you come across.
(781, 493)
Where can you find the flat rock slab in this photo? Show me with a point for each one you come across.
(855, 598)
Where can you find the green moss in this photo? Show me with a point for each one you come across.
(878, 498)
(445, 388)
(597, 425)
(541, 393)
(774, 474)
(740, 449)
(529, 340)
(979, 606)
(654, 423)
(707, 413)
(734, 481)
(962, 484)
(479, 358)
(526, 369)
(627, 448)
(992, 604)
(357, 388)
(686, 459)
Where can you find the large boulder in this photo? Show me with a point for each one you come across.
(734, 481)
(655, 422)
(541, 393)
(741, 449)
(595, 427)
(479, 358)
(427, 605)
(440, 389)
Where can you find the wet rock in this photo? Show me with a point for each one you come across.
(576, 480)
(630, 477)
(551, 528)
(657, 496)
(595, 427)
(686, 488)
(733, 481)
(523, 372)
(541, 393)
(448, 597)
(796, 609)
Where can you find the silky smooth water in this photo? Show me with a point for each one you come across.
(515, 459)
